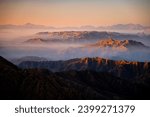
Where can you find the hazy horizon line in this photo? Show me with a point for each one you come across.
(30, 23)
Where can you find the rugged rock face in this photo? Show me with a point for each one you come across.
(121, 68)
(119, 44)
(43, 84)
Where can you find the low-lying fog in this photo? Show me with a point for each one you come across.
(12, 46)
(59, 51)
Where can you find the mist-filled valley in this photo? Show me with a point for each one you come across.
(65, 45)
(66, 52)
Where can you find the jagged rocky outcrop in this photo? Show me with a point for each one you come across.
(120, 68)
(114, 43)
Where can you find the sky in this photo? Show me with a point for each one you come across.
(75, 12)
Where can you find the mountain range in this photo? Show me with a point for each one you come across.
(86, 27)
(82, 36)
(120, 68)
(128, 27)
(25, 26)
(16, 83)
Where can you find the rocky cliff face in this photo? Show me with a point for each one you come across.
(121, 68)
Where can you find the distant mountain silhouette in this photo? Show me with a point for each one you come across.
(42, 84)
(84, 27)
(127, 27)
(25, 26)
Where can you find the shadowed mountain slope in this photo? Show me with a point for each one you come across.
(86, 84)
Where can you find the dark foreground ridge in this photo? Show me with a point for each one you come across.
(120, 68)
(16, 83)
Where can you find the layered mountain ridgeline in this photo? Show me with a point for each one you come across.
(85, 35)
(42, 84)
(85, 27)
(120, 68)
(121, 44)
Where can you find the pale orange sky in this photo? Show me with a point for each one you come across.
(74, 12)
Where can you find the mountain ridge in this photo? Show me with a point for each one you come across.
(120, 68)
(110, 42)
(130, 26)
(87, 35)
